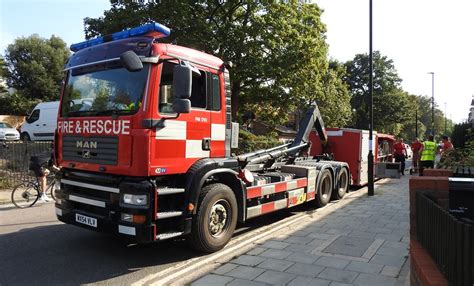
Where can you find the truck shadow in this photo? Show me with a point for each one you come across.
(67, 255)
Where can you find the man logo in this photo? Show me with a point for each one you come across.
(86, 144)
(86, 154)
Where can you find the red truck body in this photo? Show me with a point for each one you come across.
(144, 140)
(352, 146)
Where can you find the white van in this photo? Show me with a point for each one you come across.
(41, 123)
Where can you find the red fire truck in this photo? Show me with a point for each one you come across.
(144, 140)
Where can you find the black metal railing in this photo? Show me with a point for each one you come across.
(449, 241)
(15, 159)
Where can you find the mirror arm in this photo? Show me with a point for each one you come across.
(160, 123)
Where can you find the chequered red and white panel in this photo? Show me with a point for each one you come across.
(299, 191)
(184, 132)
(259, 191)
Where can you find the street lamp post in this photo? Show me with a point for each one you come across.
(370, 156)
(445, 120)
(432, 103)
(416, 122)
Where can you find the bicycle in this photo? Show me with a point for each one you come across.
(27, 193)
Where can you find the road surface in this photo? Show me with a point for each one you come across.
(36, 249)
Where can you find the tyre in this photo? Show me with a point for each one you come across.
(25, 137)
(342, 184)
(216, 218)
(25, 195)
(324, 188)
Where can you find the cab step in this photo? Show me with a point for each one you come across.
(169, 191)
(168, 235)
(162, 215)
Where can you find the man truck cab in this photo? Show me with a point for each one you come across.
(41, 122)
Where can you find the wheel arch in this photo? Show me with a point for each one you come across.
(207, 171)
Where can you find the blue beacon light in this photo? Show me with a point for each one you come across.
(154, 29)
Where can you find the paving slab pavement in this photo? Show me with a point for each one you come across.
(363, 242)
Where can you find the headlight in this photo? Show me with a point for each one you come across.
(136, 200)
(2, 133)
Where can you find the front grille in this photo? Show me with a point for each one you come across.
(10, 134)
(97, 150)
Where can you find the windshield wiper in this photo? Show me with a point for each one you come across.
(113, 112)
(81, 113)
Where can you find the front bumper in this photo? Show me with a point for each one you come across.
(131, 232)
(92, 201)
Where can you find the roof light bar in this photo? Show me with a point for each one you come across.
(153, 29)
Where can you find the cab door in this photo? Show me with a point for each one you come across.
(181, 140)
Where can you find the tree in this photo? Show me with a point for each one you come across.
(390, 102)
(422, 104)
(3, 73)
(278, 50)
(35, 66)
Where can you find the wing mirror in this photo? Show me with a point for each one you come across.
(182, 86)
(131, 61)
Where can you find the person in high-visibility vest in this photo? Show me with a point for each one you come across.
(428, 154)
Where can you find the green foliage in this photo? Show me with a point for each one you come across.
(463, 153)
(3, 73)
(249, 142)
(390, 102)
(35, 66)
(278, 50)
(16, 103)
(462, 133)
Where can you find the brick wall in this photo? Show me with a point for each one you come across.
(424, 270)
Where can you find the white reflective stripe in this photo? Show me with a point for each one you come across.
(312, 182)
(87, 201)
(291, 185)
(218, 132)
(194, 149)
(267, 190)
(281, 204)
(254, 211)
(173, 130)
(334, 133)
(311, 189)
(59, 212)
(90, 186)
(126, 230)
(295, 193)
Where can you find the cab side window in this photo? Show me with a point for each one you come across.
(33, 116)
(215, 92)
(198, 93)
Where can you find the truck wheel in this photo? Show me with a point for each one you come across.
(25, 137)
(324, 188)
(216, 218)
(342, 184)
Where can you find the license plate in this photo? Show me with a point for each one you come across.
(90, 221)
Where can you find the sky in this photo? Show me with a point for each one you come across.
(419, 36)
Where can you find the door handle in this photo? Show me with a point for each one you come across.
(37, 125)
(44, 124)
(206, 144)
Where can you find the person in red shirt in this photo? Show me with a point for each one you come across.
(415, 147)
(400, 153)
(446, 145)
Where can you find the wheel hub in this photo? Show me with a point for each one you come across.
(217, 219)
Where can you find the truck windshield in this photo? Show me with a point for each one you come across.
(103, 89)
